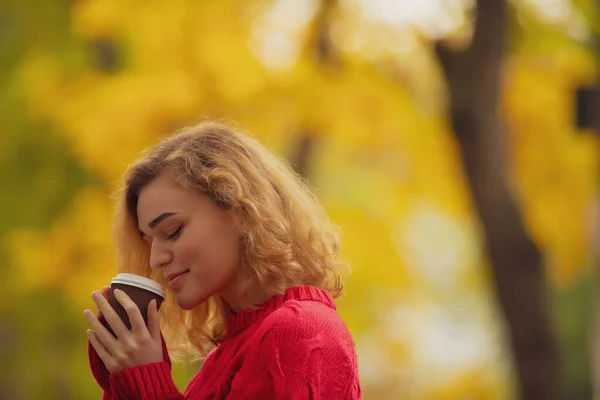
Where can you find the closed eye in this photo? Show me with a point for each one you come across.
(175, 234)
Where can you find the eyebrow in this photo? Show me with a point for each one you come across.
(152, 224)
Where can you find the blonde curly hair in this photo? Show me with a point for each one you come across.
(286, 237)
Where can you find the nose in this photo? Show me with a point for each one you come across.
(159, 255)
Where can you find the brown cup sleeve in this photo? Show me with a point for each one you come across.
(140, 297)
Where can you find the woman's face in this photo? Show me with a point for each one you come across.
(194, 243)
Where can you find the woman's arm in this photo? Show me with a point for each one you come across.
(145, 382)
(154, 380)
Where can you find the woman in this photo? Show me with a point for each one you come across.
(251, 263)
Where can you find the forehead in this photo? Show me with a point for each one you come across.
(163, 195)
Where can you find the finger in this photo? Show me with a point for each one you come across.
(102, 351)
(105, 293)
(110, 316)
(101, 333)
(153, 320)
(133, 311)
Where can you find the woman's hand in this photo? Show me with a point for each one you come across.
(139, 346)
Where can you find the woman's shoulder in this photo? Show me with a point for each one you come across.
(306, 319)
(299, 331)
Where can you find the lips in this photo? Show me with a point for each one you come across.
(174, 275)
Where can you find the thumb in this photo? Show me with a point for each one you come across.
(153, 320)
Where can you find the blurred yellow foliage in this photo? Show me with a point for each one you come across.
(386, 167)
(554, 167)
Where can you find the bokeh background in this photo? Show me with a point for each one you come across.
(354, 94)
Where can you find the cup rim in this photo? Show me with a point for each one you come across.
(139, 281)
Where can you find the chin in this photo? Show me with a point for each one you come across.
(185, 305)
(189, 304)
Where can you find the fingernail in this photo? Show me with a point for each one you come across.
(89, 332)
(117, 292)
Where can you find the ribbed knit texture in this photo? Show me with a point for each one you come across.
(294, 347)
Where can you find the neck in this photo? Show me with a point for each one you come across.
(231, 295)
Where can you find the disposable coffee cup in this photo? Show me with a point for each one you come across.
(140, 289)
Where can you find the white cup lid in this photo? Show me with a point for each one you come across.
(141, 282)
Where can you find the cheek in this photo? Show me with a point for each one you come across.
(185, 252)
(214, 251)
(221, 258)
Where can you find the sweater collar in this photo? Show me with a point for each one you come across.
(240, 321)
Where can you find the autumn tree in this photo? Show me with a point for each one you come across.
(589, 117)
(474, 89)
(355, 103)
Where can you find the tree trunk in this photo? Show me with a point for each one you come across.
(473, 79)
(322, 50)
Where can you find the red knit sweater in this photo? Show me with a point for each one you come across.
(295, 347)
